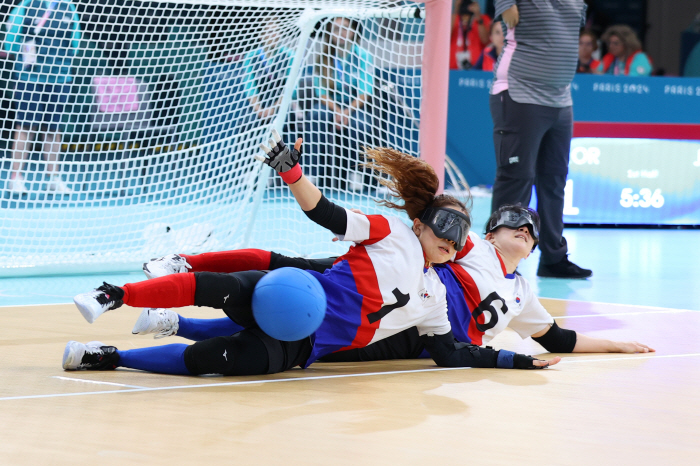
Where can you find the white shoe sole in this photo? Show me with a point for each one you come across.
(72, 355)
(86, 306)
(147, 272)
(141, 325)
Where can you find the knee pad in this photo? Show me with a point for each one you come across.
(231, 292)
(239, 354)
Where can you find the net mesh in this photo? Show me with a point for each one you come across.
(130, 127)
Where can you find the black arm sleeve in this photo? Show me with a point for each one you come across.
(558, 340)
(278, 261)
(447, 352)
(403, 345)
(329, 215)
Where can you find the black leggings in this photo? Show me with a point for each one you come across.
(250, 351)
(230, 292)
(233, 292)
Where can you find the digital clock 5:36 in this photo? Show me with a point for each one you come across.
(644, 198)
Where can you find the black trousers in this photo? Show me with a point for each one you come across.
(250, 351)
(532, 144)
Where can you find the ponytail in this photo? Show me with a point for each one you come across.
(413, 180)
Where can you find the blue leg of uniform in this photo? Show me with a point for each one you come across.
(203, 329)
(167, 359)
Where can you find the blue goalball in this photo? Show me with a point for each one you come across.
(289, 304)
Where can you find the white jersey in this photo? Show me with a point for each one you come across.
(379, 287)
(495, 298)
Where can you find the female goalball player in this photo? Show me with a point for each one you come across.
(378, 289)
(480, 283)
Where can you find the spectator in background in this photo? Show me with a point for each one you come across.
(587, 44)
(532, 114)
(44, 37)
(265, 70)
(625, 56)
(338, 125)
(490, 55)
(470, 34)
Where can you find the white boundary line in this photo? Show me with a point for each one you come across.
(341, 376)
(227, 384)
(99, 382)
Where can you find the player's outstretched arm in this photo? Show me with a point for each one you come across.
(447, 352)
(559, 340)
(586, 344)
(285, 162)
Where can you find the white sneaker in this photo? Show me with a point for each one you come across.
(94, 356)
(162, 322)
(166, 265)
(57, 185)
(17, 185)
(96, 302)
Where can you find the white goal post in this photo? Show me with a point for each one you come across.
(130, 127)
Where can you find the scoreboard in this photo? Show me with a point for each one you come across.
(635, 154)
(633, 181)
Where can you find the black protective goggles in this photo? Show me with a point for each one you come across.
(448, 224)
(514, 220)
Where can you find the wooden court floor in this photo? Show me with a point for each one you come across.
(590, 409)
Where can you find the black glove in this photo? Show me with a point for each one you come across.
(522, 361)
(282, 159)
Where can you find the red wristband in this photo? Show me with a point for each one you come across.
(293, 175)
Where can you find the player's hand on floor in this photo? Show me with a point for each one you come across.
(523, 361)
(546, 363)
(634, 347)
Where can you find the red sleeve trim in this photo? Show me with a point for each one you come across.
(378, 229)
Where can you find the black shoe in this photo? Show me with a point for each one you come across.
(93, 356)
(563, 269)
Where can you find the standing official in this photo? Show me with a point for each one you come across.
(532, 114)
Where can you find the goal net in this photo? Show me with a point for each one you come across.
(131, 127)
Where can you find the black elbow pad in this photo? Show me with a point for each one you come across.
(329, 215)
(558, 340)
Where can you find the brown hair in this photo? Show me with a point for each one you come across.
(592, 35)
(626, 35)
(413, 180)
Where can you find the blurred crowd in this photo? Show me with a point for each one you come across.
(477, 41)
